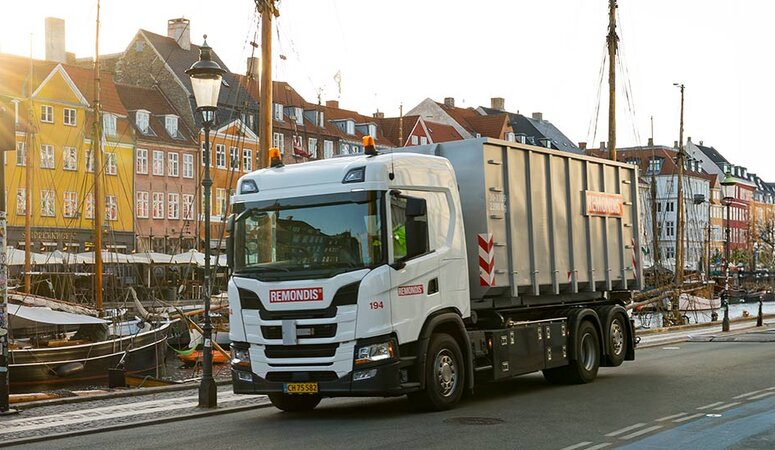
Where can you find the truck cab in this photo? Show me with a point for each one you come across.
(337, 266)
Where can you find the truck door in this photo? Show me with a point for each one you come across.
(415, 266)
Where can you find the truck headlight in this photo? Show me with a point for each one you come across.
(375, 352)
(240, 357)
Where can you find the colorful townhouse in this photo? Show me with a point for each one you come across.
(52, 172)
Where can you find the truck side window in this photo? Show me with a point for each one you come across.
(409, 227)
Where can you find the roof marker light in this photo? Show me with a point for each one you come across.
(275, 160)
(369, 148)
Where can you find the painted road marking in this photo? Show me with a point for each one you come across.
(674, 416)
(575, 446)
(746, 395)
(727, 406)
(684, 419)
(110, 412)
(770, 388)
(762, 395)
(641, 432)
(671, 348)
(711, 405)
(624, 430)
(599, 446)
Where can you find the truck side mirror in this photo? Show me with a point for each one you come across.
(230, 243)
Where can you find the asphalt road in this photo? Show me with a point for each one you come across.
(704, 395)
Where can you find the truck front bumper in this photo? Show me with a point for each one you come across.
(385, 381)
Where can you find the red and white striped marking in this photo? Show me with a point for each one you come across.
(486, 260)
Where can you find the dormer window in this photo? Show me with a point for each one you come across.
(296, 114)
(350, 127)
(373, 130)
(277, 111)
(109, 124)
(171, 124)
(510, 136)
(141, 120)
(321, 119)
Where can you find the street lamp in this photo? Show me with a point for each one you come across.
(206, 77)
(728, 191)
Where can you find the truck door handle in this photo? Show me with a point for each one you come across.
(433, 286)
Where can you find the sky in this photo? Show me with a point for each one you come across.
(541, 56)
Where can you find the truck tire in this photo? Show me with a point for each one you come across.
(616, 339)
(584, 368)
(294, 402)
(444, 375)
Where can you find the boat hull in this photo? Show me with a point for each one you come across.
(86, 364)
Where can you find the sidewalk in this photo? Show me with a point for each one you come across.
(663, 336)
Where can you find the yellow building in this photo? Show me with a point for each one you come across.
(54, 125)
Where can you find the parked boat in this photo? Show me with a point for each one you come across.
(55, 348)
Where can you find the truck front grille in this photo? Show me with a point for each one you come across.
(301, 351)
(302, 331)
(301, 376)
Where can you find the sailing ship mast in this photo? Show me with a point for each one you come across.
(680, 223)
(28, 157)
(613, 41)
(97, 172)
(268, 10)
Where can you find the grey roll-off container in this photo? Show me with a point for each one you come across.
(533, 201)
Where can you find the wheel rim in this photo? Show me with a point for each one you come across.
(446, 372)
(588, 352)
(617, 337)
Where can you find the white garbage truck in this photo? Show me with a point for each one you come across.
(426, 270)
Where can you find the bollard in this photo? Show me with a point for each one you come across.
(725, 305)
(759, 318)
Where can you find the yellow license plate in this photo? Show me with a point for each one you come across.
(300, 388)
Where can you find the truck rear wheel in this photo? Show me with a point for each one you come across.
(584, 368)
(616, 339)
(444, 375)
(294, 402)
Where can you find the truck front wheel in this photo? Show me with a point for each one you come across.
(444, 375)
(294, 402)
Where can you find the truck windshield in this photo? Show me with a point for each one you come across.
(318, 236)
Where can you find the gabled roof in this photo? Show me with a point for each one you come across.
(535, 130)
(461, 116)
(151, 99)
(714, 155)
(391, 128)
(442, 133)
(668, 155)
(84, 80)
(490, 126)
(14, 72)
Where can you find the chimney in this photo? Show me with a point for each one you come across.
(498, 103)
(55, 40)
(675, 144)
(332, 104)
(702, 142)
(379, 115)
(538, 116)
(180, 31)
(449, 102)
(689, 139)
(582, 145)
(254, 68)
(651, 142)
(602, 146)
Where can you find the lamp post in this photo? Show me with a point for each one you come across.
(206, 77)
(728, 188)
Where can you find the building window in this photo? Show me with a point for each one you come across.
(111, 208)
(142, 161)
(141, 121)
(70, 204)
(173, 165)
(344, 149)
(373, 130)
(247, 159)
(234, 157)
(46, 113)
(69, 117)
(415, 140)
(188, 206)
(21, 201)
(188, 165)
(655, 165)
(21, 154)
(109, 124)
(423, 140)
(89, 206)
(158, 205)
(221, 199)
(669, 228)
(70, 158)
(510, 136)
(47, 157)
(321, 119)
(277, 111)
(350, 127)
(158, 162)
(278, 141)
(173, 206)
(111, 163)
(220, 156)
(312, 147)
(298, 143)
(328, 149)
(670, 252)
(171, 124)
(47, 203)
(670, 207)
(142, 205)
(299, 115)
(89, 161)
